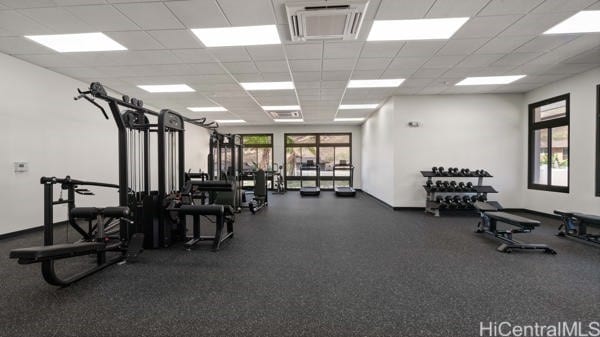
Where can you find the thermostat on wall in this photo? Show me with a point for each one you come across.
(21, 166)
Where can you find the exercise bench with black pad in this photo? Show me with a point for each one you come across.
(491, 214)
(47, 254)
(223, 214)
(575, 225)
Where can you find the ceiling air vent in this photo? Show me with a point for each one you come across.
(325, 20)
(285, 114)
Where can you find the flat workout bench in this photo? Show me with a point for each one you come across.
(575, 224)
(490, 216)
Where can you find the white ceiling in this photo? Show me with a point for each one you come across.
(503, 37)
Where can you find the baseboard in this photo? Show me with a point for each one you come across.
(21, 232)
(409, 208)
(377, 199)
(29, 230)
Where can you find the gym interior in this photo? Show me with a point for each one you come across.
(300, 168)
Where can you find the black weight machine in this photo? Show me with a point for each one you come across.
(225, 163)
(119, 230)
(344, 191)
(310, 190)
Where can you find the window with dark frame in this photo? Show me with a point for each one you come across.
(549, 144)
(598, 140)
(326, 149)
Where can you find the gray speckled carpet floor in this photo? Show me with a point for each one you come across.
(314, 267)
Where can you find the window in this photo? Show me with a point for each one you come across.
(598, 140)
(324, 149)
(258, 154)
(549, 144)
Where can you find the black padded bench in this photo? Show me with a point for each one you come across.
(55, 252)
(575, 224)
(490, 216)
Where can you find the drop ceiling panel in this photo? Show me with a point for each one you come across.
(252, 12)
(193, 55)
(254, 77)
(150, 15)
(20, 45)
(505, 7)
(338, 64)
(79, 2)
(545, 43)
(276, 77)
(306, 76)
(144, 57)
(504, 44)
(353, 113)
(443, 61)
(266, 53)
(176, 39)
(550, 6)
(333, 84)
(378, 49)
(19, 24)
(535, 24)
(373, 63)
(403, 9)
(213, 68)
(588, 57)
(305, 65)
(340, 50)
(429, 73)
(27, 3)
(370, 74)
(304, 51)
(230, 54)
(478, 60)
(50, 60)
(241, 67)
(485, 26)
(462, 46)
(420, 48)
(198, 14)
(453, 8)
(135, 40)
(272, 66)
(103, 18)
(335, 75)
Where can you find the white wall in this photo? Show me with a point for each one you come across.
(472, 131)
(582, 152)
(56, 136)
(278, 141)
(378, 177)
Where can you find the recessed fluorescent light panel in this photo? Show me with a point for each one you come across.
(375, 83)
(230, 121)
(357, 106)
(284, 120)
(421, 29)
(487, 80)
(207, 108)
(582, 22)
(357, 119)
(267, 85)
(166, 88)
(69, 43)
(238, 36)
(281, 107)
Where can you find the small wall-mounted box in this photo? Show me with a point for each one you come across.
(21, 166)
(414, 124)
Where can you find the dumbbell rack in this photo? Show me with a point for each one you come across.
(433, 207)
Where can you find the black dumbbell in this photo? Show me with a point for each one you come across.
(484, 173)
(125, 98)
(469, 186)
(442, 171)
(473, 198)
(461, 186)
(482, 197)
(465, 172)
(439, 184)
(434, 170)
